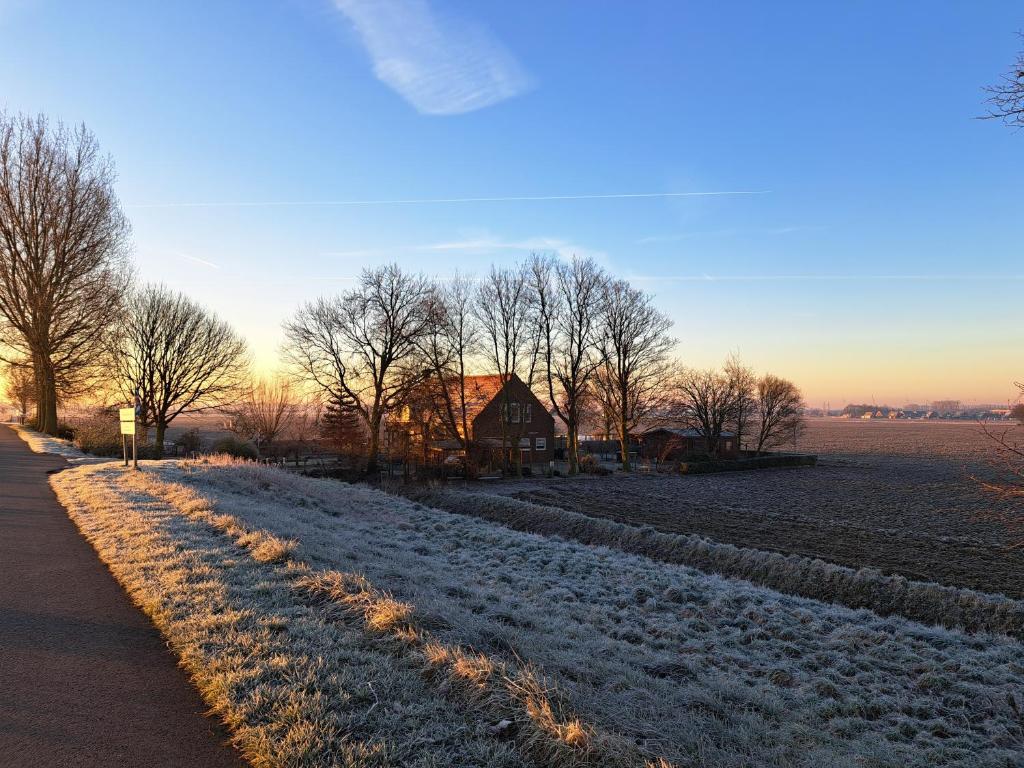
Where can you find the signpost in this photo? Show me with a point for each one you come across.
(128, 428)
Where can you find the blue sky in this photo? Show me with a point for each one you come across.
(881, 257)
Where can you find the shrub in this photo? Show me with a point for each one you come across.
(98, 433)
(189, 442)
(232, 446)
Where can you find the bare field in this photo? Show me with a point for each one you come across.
(894, 496)
(958, 440)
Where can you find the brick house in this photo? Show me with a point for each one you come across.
(509, 416)
(511, 411)
(672, 444)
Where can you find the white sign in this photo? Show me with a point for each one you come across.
(127, 421)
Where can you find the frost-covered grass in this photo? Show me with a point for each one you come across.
(40, 443)
(313, 667)
(692, 667)
(925, 602)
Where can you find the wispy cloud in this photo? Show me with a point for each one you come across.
(440, 200)
(706, 278)
(198, 260)
(441, 64)
(482, 245)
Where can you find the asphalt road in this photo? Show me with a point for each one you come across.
(85, 678)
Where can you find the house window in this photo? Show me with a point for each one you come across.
(513, 413)
(728, 445)
(541, 444)
(527, 413)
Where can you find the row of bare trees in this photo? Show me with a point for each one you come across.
(595, 347)
(762, 412)
(563, 327)
(72, 322)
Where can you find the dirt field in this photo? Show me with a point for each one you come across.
(894, 496)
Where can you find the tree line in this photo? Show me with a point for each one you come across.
(74, 321)
(593, 346)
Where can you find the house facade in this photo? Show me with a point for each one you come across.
(502, 418)
(510, 416)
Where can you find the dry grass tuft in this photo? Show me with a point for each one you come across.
(497, 690)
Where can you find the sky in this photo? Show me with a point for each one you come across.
(802, 183)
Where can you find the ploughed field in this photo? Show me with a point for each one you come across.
(894, 496)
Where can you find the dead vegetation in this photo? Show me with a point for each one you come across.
(686, 666)
(928, 603)
(507, 704)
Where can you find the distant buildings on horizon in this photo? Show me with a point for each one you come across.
(937, 409)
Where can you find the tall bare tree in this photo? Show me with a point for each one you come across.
(509, 332)
(568, 298)
(360, 349)
(451, 338)
(63, 263)
(708, 402)
(779, 411)
(264, 412)
(176, 357)
(634, 343)
(1006, 100)
(505, 311)
(744, 383)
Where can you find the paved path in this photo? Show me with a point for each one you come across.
(85, 679)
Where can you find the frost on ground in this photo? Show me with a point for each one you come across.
(690, 667)
(316, 667)
(40, 443)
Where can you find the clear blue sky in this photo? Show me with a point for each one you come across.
(883, 259)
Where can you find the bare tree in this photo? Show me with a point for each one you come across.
(634, 345)
(779, 411)
(1017, 412)
(708, 402)
(20, 386)
(509, 333)
(176, 357)
(1006, 100)
(568, 297)
(451, 338)
(744, 383)
(504, 310)
(360, 349)
(265, 412)
(63, 264)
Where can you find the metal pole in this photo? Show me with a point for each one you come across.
(135, 453)
(124, 446)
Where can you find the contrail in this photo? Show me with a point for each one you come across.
(823, 278)
(442, 200)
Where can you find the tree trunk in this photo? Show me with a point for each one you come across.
(572, 445)
(374, 448)
(624, 443)
(47, 408)
(158, 447)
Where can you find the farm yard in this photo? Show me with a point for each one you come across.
(897, 496)
(335, 624)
